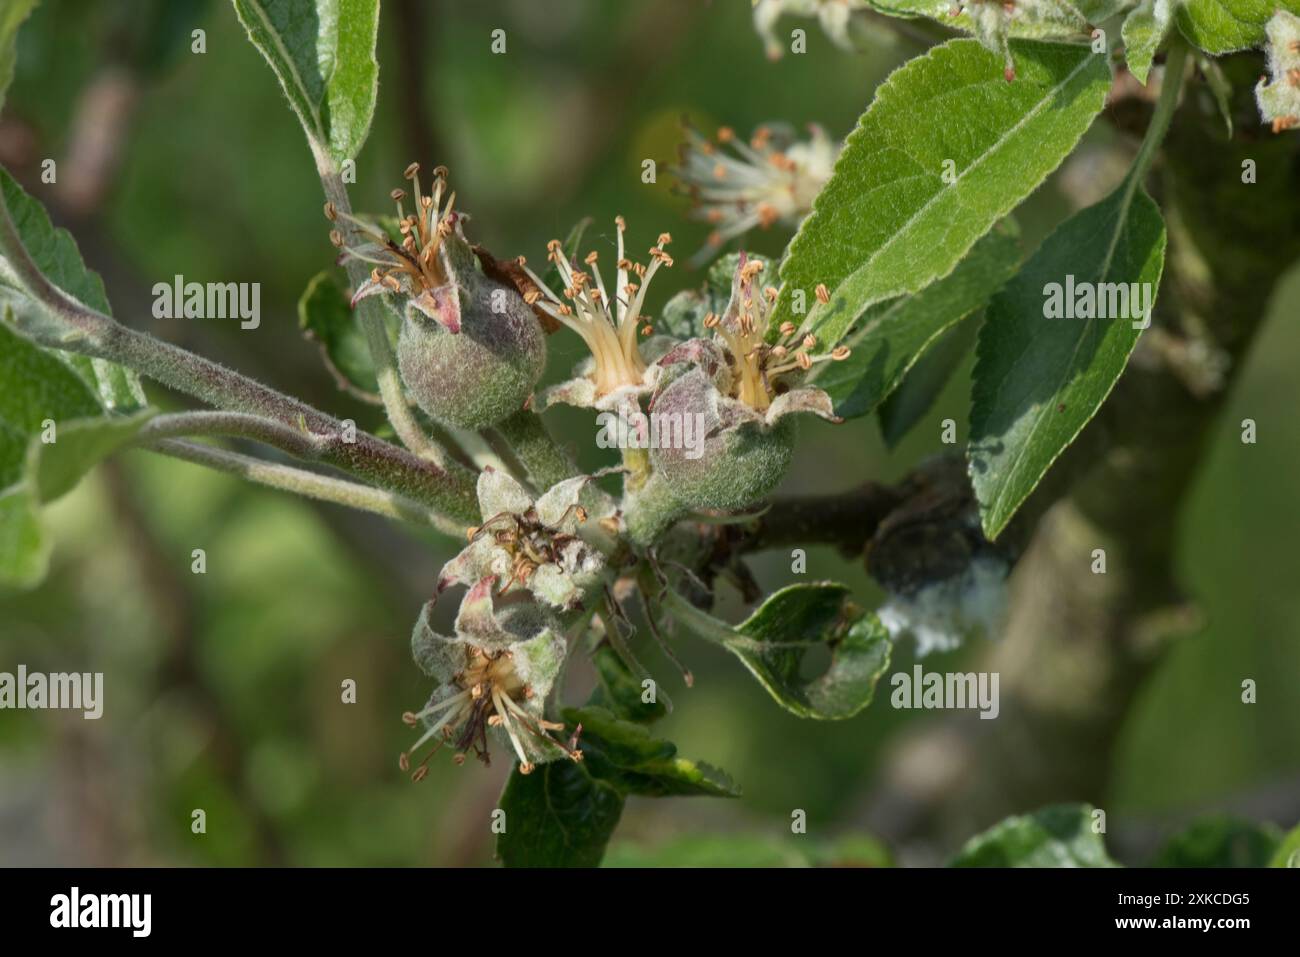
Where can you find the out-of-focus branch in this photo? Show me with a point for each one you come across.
(414, 24)
(100, 127)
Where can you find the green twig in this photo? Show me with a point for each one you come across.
(1170, 87)
(295, 441)
(310, 484)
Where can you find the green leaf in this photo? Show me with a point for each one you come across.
(1037, 380)
(558, 816)
(324, 55)
(888, 223)
(626, 754)
(37, 387)
(1144, 30)
(620, 691)
(325, 315)
(1058, 836)
(891, 336)
(1288, 850)
(40, 389)
(55, 253)
(118, 388)
(54, 469)
(926, 380)
(1221, 842)
(24, 551)
(563, 813)
(11, 18)
(774, 641)
(1222, 26)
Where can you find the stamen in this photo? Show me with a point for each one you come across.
(453, 713)
(334, 214)
(500, 701)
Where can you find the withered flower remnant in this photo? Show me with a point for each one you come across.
(470, 350)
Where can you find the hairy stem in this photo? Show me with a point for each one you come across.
(309, 484)
(296, 442)
(1171, 85)
(89, 332)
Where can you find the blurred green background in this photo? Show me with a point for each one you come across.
(223, 690)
